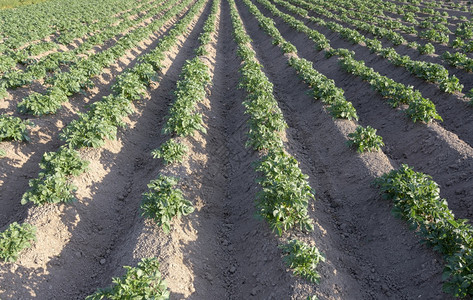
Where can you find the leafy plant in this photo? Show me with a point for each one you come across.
(53, 184)
(14, 239)
(284, 198)
(171, 151)
(2, 152)
(365, 139)
(182, 121)
(141, 282)
(416, 199)
(164, 202)
(343, 110)
(14, 128)
(303, 259)
(426, 49)
(422, 110)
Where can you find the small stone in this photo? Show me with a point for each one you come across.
(230, 248)
(232, 269)
(372, 270)
(102, 261)
(254, 291)
(78, 254)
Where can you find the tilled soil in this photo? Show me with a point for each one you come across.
(221, 251)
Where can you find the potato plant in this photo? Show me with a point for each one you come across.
(141, 282)
(53, 184)
(14, 128)
(416, 199)
(164, 201)
(171, 151)
(302, 259)
(15, 239)
(365, 139)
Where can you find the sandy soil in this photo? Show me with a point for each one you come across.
(221, 251)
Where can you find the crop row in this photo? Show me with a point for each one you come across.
(428, 71)
(65, 84)
(285, 191)
(25, 54)
(101, 122)
(164, 201)
(416, 199)
(419, 108)
(51, 19)
(37, 69)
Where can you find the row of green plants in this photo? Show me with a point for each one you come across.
(164, 201)
(285, 191)
(54, 182)
(104, 118)
(65, 37)
(361, 18)
(420, 109)
(363, 139)
(50, 18)
(361, 15)
(416, 199)
(38, 69)
(428, 71)
(78, 78)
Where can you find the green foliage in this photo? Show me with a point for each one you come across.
(416, 199)
(365, 139)
(141, 282)
(171, 151)
(190, 90)
(284, 198)
(99, 123)
(164, 202)
(426, 49)
(14, 239)
(422, 110)
(130, 86)
(303, 259)
(53, 184)
(42, 104)
(266, 121)
(458, 60)
(2, 152)
(414, 45)
(14, 128)
(343, 110)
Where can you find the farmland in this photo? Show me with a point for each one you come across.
(236, 149)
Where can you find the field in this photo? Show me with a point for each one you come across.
(236, 149)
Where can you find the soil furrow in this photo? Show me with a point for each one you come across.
(373, 254)
(21, 162)
(430, 149)
(82, 237)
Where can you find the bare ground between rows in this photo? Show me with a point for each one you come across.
(371, 255)
(76, 243)
(221, 251)
(22, 159)
(429, 148)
